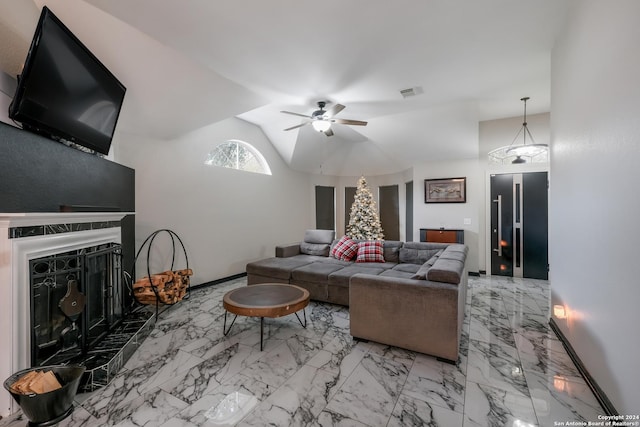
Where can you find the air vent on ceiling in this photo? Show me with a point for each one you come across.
(412, 91)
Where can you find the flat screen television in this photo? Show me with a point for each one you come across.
(64, 91)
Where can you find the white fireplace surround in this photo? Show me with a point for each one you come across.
(14, 278)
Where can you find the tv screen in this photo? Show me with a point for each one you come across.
(64, 91)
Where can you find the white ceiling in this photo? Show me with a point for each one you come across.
(190, 63)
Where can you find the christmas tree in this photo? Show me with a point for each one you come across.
(364, 223)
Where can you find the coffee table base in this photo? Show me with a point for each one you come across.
(226, 331)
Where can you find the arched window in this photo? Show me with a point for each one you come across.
(238, 155)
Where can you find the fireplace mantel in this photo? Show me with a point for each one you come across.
(26, 219)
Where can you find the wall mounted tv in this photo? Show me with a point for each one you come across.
(64, 91)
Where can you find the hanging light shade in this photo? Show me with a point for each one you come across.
(527, 152)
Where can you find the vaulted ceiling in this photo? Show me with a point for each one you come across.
(191, 63)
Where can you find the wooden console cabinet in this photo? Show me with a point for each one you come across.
(441, 235)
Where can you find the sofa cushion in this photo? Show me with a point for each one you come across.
(407, 268)
(396, 273)
(342, 276)
(329, 260)
(316, 272)
(427, 245)
(345, 250)
(370, 251)
(278, 268)
(384, 265)
(391, 250)
(319, 249)
(319, 236)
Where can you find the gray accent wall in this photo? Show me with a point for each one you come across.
(390, 211)
(349, 197)
(409, 211)
(40, 175)
(325, 208)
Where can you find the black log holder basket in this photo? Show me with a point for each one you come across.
(48, 409)
(167, 287)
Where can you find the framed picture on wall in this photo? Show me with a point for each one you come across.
(445, 190)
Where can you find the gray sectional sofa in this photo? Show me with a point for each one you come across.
(414, 299)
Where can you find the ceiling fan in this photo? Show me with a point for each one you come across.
(321, 120)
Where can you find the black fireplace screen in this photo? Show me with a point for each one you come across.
(76, 299)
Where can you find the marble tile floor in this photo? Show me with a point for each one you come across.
(512, 370)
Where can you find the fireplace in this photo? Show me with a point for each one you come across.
(76, 299)
(62, 295)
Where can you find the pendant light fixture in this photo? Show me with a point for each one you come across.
(521, 153)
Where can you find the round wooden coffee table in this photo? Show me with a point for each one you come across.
(265, 300)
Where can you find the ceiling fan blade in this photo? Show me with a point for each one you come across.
(334, 110)
(349, 122)
(296, 114)
(328, 132)
(297, 126)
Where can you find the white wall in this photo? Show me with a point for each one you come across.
(225, 217)
(451, 215)
(595, 136)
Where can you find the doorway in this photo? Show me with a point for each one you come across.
(519, 225)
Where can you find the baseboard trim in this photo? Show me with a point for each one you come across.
(600, 395)
(217, 281)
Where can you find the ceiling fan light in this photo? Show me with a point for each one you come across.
(321, 125)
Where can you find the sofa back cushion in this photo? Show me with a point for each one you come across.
(319, 236)
(419, 252)
(391, 250)
(319, 249)
(316, 242)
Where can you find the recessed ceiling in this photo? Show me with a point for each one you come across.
(194, 62)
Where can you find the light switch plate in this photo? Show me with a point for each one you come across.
(467, 221)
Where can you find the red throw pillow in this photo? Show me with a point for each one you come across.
(370, 251)
(345, 249)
